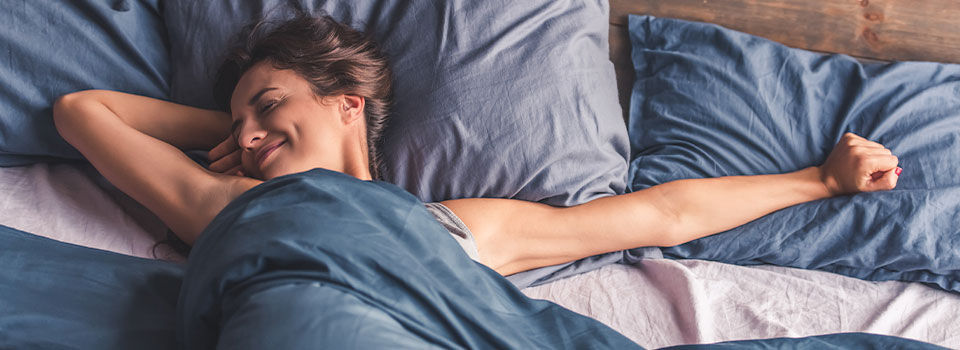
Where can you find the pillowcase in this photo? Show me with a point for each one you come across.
(512, 99)
(709, 102)
(52, 48)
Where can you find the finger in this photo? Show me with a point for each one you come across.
(881, 163)
(224, 148)
(233, 171)
(227, 162)
(886, 182)
(868, 143)
(852, 140)
(872, 151)
(857, 140)
(852, 135)
(863, 143)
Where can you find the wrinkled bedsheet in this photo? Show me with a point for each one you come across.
(656, 303)
(322, 259)
(671, 302)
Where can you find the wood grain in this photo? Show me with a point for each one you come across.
(890, 30)
(884, 30)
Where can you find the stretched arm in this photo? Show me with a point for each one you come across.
(516, 235)
(136, 142)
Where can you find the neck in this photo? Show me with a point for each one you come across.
(356, 162)
(361, 172)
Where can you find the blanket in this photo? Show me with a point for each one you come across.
(321, 259)
(308, 260)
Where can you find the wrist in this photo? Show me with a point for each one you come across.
(829, 183)
(216, 126)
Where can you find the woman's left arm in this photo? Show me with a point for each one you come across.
(515, 236)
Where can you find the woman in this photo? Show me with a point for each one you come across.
(311, 92)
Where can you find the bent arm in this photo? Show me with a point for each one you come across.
(181, 126)
(135, 142)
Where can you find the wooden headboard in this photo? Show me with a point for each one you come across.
(885, 30)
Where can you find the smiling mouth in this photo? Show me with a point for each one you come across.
(267, 152)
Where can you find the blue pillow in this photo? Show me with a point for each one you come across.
(709, 102)
(514, 100)
(55, 47)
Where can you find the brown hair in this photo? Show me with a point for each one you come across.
(333, 57)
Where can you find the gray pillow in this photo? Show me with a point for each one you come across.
(514, 99)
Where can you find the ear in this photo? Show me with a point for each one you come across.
(351, 109)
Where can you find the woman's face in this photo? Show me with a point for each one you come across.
(283, 127)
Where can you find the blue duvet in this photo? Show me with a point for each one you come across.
(311, 260)
(321, 259)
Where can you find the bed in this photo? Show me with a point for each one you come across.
(654, 302)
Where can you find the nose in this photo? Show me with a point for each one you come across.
(250, 135)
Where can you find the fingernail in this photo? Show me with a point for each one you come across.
(898, 171)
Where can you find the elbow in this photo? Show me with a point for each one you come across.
(65, 107)
(68, 108)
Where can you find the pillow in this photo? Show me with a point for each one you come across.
(492, 99)
(56, 47)
(709, 102)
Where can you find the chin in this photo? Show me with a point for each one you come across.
(272, 172)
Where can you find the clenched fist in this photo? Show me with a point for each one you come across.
(859, 165)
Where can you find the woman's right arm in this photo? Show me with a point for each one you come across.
(136, 142)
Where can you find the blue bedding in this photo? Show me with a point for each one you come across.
(50, 48)
(310, 260)
(709, 102)
(55, 295)
(321, 259)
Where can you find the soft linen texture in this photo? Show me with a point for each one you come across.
(51, 48)
(666, 302)
(262, 262)
(373, 264)
(508, 99)
(710, 101)
(56, 295)
(656, 303)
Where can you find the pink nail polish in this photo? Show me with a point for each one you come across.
(898, 171)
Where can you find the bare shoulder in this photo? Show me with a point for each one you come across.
(500, 227)
(515, 235)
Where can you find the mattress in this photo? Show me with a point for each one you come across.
(656, 303)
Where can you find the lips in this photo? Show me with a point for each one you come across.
(266, 151)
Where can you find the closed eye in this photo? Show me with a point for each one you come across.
(267, 107)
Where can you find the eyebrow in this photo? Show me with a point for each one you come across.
(253, 100)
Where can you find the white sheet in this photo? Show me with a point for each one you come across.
(671, 302)
(72, 203)
(656, 303)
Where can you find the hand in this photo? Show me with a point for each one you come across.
(859, 165)
(225, 158)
